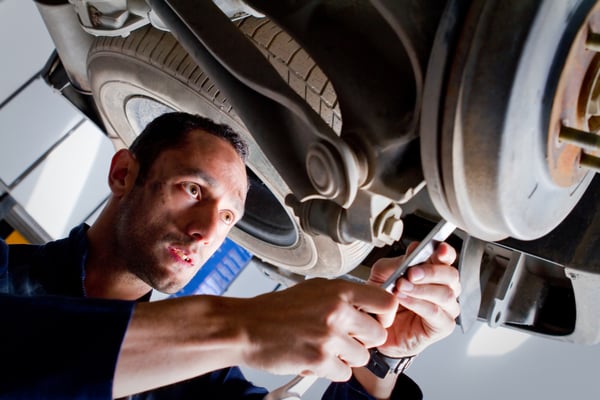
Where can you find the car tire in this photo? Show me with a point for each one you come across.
(136, 78)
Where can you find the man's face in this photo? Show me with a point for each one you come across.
(169, 226)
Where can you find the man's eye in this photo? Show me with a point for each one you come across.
(192, 189)
(227, 217)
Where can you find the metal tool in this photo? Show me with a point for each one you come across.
(422, 253)
(294, 389)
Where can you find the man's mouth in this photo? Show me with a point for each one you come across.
(181, 255)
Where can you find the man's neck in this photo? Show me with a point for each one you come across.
(106, 276)
(110, 284)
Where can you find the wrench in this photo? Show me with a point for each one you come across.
(294, 389)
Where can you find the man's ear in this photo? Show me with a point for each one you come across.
(123, 172)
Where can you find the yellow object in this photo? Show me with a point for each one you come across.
(15, 238)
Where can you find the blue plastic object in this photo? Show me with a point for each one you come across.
(219, 271)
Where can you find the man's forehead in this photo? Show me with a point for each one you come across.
(203, 135)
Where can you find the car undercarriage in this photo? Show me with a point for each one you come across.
(371, 120)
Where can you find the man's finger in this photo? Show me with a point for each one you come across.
(368, 329)
(374, 300)
(440, 295)
(440, 274)
(444, 254)
(352, 352)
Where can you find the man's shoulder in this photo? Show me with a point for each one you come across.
(50, 268)
(3, 266)
(11, 256)
(3, 252)
(76, 242)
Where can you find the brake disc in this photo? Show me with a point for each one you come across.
(509, 87)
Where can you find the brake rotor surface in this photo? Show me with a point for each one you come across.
(503, 80)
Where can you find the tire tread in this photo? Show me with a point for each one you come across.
(288, 58)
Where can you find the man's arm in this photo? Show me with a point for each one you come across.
(316, 326)
(320, 327)
(52, 342)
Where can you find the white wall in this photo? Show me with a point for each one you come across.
(24, 43)
(64, 186)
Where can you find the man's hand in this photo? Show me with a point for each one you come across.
(319, 326)
(428, 301)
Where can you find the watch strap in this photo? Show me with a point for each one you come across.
(381, 365)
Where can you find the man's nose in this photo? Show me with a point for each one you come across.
(203, 223)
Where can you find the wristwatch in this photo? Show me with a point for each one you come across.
(381, 365)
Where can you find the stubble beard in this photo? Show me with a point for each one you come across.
(140, 248)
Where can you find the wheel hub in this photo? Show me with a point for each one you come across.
(575, 117)
(505, 129)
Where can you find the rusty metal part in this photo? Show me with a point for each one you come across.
(576, 105)
(490, 113)
(590, 162)
(584, 140)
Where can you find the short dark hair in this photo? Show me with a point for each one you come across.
(169, 130)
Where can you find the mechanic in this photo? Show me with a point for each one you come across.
(176, 193)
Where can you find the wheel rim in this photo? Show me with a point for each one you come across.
(264, 218)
